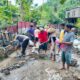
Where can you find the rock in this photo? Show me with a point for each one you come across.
(2, 70)
(73, 62)
(76, 76)
(36, 56)
(7, 72)
(42, 56)
(11, 68)
(18, 66)
(68, 78)
(1, 78)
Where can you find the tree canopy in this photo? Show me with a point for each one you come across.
(53, 11)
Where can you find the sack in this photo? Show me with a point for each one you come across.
(31, 43)
(76, 42)
(37, 45)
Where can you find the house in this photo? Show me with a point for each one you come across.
(72, 14)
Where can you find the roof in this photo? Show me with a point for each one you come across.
(73, 8)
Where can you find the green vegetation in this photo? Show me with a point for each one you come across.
(78, 23)
(53, 11)
(8, 13)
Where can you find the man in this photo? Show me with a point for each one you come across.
(36, 32)
(61, 36)
(52, 43)
(62, 32)
(43, 39)
(30, 32)
(67, 49)
(1, 39)
(24, 42)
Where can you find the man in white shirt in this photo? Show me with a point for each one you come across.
(36, 32)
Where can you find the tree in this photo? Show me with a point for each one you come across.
(54, 10)
(50, 11)
(78, 23)
(24, 7)
(62, 1)
(7, 13)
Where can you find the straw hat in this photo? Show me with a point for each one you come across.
(41, 29)
(51, 30)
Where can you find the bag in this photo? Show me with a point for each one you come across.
(31, 43)
(76, 42)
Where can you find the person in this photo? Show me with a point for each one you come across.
(23, 42)
(74, 31)
(46, 28)
(1, 39)
(61, 36)
(53, 44)
(67, 49)
(36, 47)
(6, 41)
(62, 32)
(36, 32)
(30, 32)
(49, 33)
(24, 46)
(43, 39)
(15, 44)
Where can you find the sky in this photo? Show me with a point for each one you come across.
(39, 2)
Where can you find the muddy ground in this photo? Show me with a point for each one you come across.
(35, 68)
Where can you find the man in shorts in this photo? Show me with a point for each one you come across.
(67, 49)
(43, 39)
